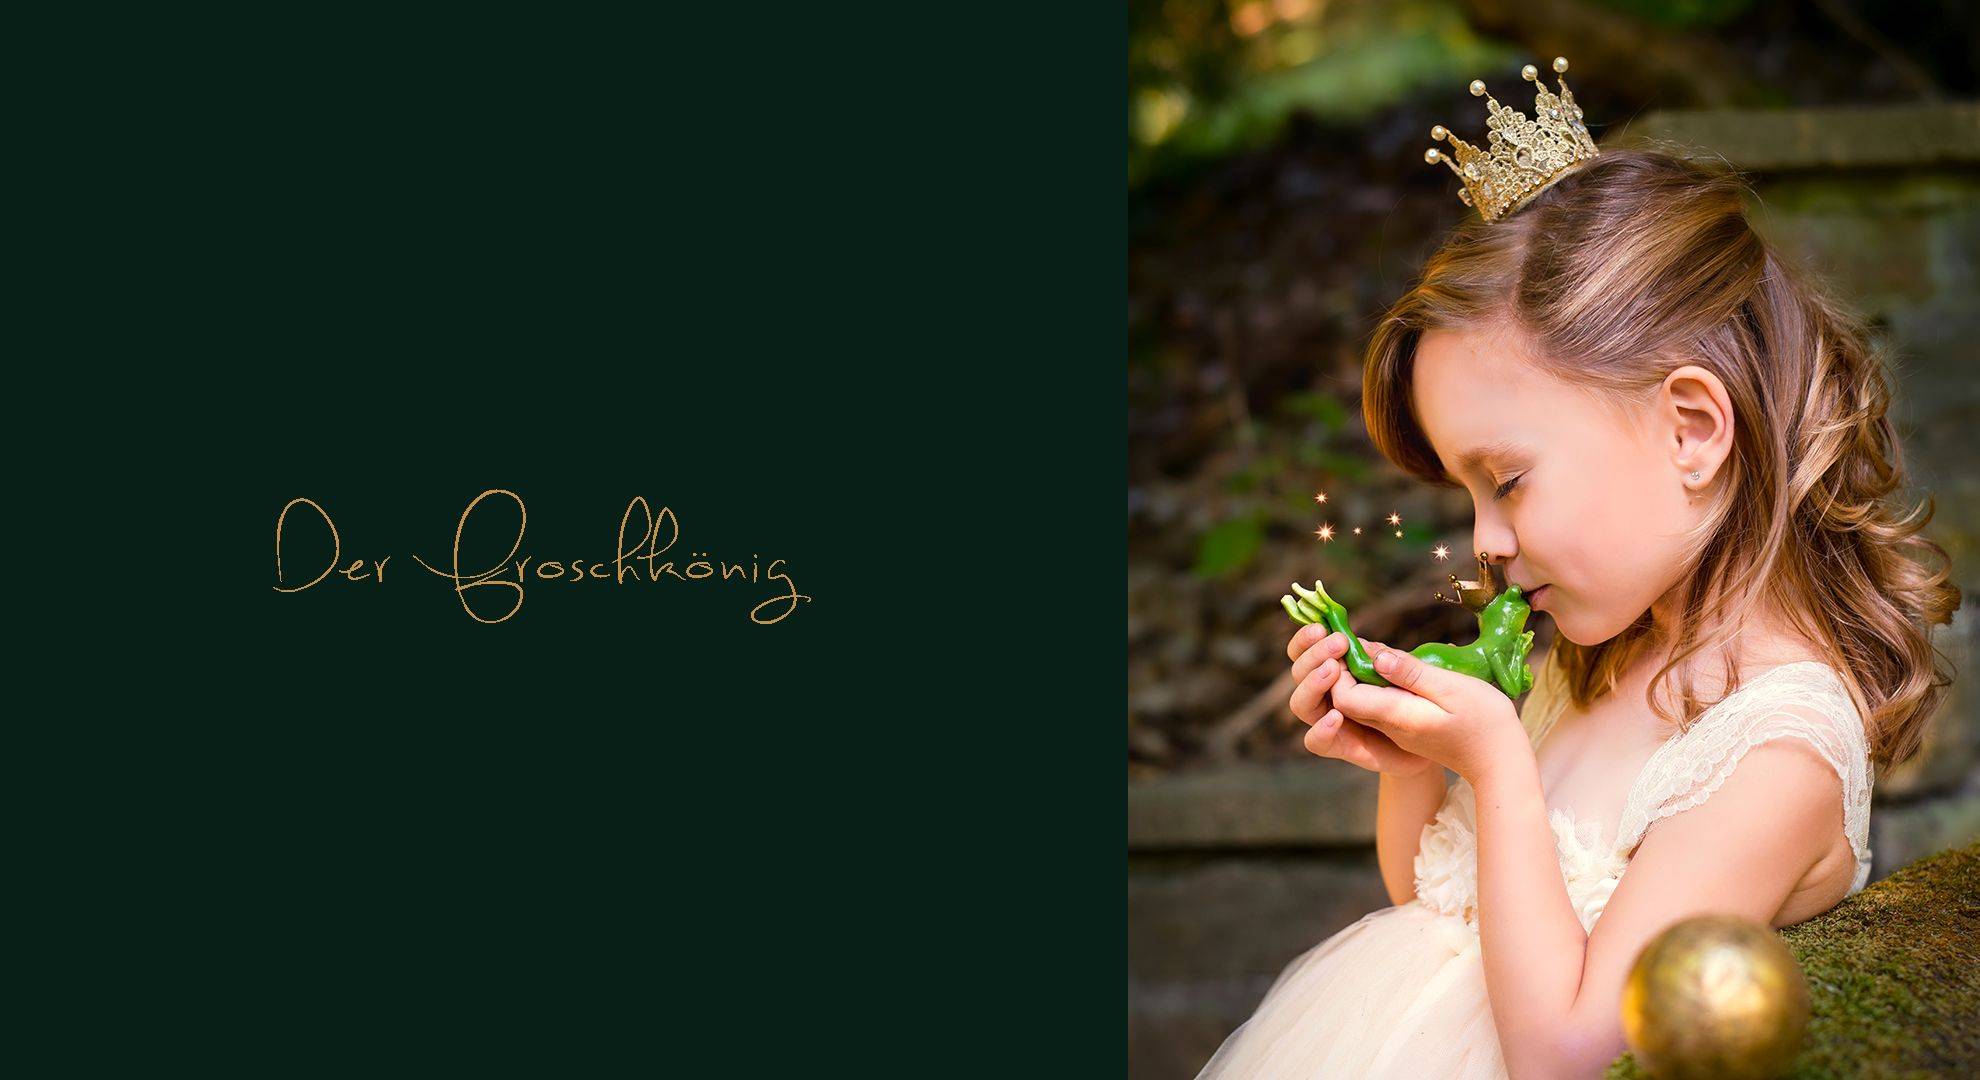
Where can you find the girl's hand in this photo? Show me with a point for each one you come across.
(1462, 723)
(1318, 671)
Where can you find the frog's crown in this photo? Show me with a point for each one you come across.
(1475, 596)
(1525, 156)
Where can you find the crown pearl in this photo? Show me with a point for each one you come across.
(1529, 73)
(1560, 65)
(1440, 133)
(1478, 88)
(1431, 156)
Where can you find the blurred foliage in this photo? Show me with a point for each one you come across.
(1229, 546)
(1326, 408)
(1207, 78)
(1248, 476)
(1212, 78)
(1684, 13)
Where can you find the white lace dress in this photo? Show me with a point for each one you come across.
(1401, 993)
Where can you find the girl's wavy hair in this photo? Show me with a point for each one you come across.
(1644, 260)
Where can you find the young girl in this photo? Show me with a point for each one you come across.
(1678, 449)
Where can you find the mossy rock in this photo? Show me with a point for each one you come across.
(1894, 977)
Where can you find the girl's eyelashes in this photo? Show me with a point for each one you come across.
(1505, 489)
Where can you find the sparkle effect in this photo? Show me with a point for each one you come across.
(1470, 593)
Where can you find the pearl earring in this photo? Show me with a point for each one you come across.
(1694, 476)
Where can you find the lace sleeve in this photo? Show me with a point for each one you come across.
(1805, 701)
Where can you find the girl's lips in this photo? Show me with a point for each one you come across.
(1533, 598)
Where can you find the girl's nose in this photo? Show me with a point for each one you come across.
(1493, 543)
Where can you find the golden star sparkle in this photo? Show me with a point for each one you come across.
(1324, 532)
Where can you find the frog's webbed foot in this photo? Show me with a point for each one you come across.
(1321, 604)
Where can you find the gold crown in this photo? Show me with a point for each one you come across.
(1474, 595)
(1526, 155)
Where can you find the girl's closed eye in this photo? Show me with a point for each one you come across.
(1505, 489)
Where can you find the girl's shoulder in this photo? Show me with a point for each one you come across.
(1805, 703)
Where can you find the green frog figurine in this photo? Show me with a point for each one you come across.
(1498, 656)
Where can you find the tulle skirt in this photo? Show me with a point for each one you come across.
(1401, 993)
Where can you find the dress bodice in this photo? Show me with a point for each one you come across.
(1805, 699)
(1447, 860)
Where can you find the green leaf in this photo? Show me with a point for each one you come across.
(1314, 405)
(1229, 546)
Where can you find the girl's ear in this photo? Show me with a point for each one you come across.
(1699, 414)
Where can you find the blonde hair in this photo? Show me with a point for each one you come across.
(1639, 262)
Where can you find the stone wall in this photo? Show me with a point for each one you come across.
(1233, 872)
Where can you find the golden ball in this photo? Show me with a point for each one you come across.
(1478, 88)
(1715, 996)
(1529, 73)
(1430, 156)
(1440, 132)
(1560, 64)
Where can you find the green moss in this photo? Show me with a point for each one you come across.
(1894, 974)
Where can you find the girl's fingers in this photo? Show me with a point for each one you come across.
(1339, 648)
(1335, 736)
(1332, 647)
(1384, 749)
(1387, 707)
(1324, 737)
(1309, 636)
(1304, 639)
(1309, 696)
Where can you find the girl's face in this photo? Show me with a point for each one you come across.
(1585, 499)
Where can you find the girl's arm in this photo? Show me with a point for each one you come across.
(1403, 806)
(1532, 942)
(1556, 992)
